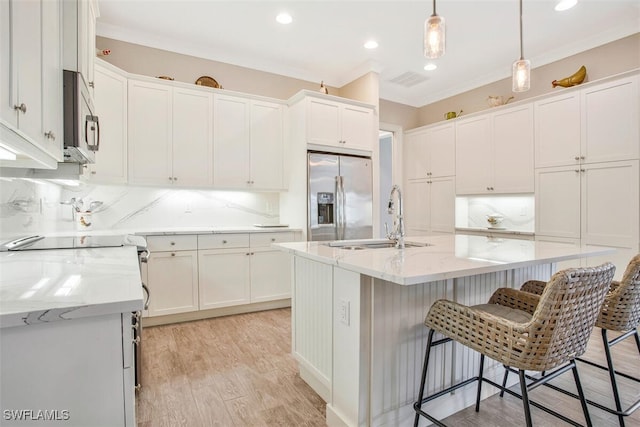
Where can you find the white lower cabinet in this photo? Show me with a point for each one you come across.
(224, 277)
(270, 269)
(242, 268)
(172, 274)
(62, 367)
(187, 273)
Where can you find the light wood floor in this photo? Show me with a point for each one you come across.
(238, 371)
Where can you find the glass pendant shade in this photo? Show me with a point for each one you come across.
(521, 71)
(434, 37)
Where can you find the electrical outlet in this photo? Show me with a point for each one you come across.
(344, 311)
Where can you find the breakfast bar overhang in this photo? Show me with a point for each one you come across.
(358, 313)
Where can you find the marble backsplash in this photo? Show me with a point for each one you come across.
(30, 206)
(518, 211)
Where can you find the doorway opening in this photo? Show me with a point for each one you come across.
(386, 141)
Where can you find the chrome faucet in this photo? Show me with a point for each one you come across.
(397, 233)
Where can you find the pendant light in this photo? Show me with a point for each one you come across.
(434, 35)
(521, 69)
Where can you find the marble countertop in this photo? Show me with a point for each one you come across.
(51, 285)
(446, 257)
(163, 231)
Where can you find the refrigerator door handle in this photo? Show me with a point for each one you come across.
(338, 216)
(341, 207)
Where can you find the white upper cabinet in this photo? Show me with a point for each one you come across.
(31, 79)
(430, 152)
(52, 119)
(494, 152)
(610, 124)
(80, 38)
(323, 127)
(111, 106)
(474, 157)
(357, 126)
(267, 145)
(598, 123)
(248, 143)
(150, 128)
(24, 107)
(170, 135)
(415, 155)
(339, 124)
(513, 162)
(557, 130)
(232, 140)
(192, 138)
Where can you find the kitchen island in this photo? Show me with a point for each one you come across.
(66, 339)
(358, 313)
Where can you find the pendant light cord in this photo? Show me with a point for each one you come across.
(521, 48)
(434, 8)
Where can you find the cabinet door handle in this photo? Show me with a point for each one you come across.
(20, 107)
(173, 254)
(224, 242)
(175, 178)
(50, 135)
(173, 243)
(273, 239)
(577, 170)
(576, 158)
(581, 170)
(92, 84)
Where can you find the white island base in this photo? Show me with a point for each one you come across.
(358, 331)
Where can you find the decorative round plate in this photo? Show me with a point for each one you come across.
(165, 77)
(208, 81)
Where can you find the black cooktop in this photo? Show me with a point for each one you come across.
(36, 242)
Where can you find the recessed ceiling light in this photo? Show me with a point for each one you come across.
(371, 44)
(565, 4)
(284, 18)
(430, 67)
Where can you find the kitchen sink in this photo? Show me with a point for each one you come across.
(355, 245)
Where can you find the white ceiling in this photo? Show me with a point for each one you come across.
(325, 40)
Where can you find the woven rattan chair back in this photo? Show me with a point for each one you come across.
(564, 318)
(621, 308)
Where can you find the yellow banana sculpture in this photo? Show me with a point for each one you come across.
(573, 80)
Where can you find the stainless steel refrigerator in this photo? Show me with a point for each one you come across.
(340, 197)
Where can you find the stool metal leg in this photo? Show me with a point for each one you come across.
(525, 398)
(612, 376)
(479, 382)
(504, 380)
(424, 376)
(583, 400)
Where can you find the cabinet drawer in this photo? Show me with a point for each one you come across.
(223, 241)
(187, 242)
(266, 239)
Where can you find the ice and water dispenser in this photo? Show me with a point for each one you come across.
(325, 208)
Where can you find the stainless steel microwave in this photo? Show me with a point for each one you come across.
(81, 125)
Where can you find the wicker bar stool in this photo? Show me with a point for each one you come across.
(524, 331)
(621, 313)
